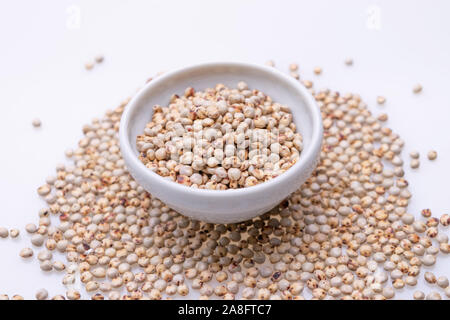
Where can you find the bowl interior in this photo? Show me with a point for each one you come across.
(271, 82)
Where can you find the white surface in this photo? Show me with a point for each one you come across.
(42, 75)
(224, 206)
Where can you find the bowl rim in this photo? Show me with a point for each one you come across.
(307, 155)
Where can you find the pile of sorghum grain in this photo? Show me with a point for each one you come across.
(345, 234)
(220, 138)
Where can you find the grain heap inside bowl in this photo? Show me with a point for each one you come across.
(220, 138)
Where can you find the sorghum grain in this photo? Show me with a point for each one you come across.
(220, 138)
(353, 200)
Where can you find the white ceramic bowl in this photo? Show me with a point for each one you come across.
(234, 205)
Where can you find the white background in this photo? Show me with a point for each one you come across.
(394, 44)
